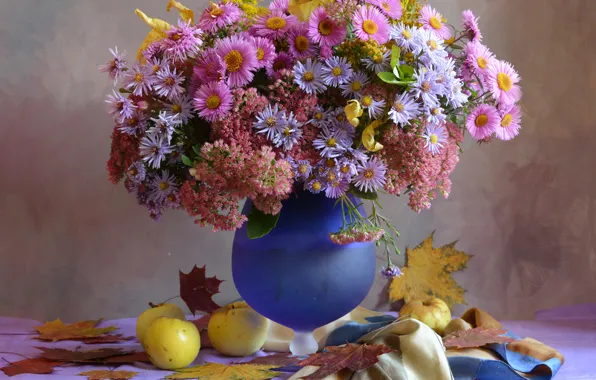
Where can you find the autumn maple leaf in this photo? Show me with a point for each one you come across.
(110, 338)
(108, 375)
(428, 273)
(58, 330)
(80, 356)
(278, 360)
(215, 371)
(355, 357)
(37, 366)
(196, 290)
(476, 337)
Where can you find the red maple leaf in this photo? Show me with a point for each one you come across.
(281, 360)
(80, 356)
(106, 339)
(203, 322)
(476, 337)
(38, 366)
(139, 356)
(355, 357)
(196, 290)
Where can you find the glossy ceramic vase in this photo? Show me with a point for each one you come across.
(296, 276)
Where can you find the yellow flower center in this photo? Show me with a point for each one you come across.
(301, 43)
(377, 59)
(332, 142)
(132, 121)
(133, 171)
(370, 27)
(170, 81)
(435, 23)
(504, 81)
(233, 61)
(163, 185)
(367, 100)
(278, 65)
(436, 111)
(399, 106)
(216, 11)
(345, 169)
(368, 174)
(213, 102)
(176, 108)
(287, 132)
(175, 37)
(316, 186)
(270, 121)
(425, 86)
(481, 120)
(331, 176)
(319, 116)
(336, 71)
(434, 139)
(507, 120)
(155, 69)
(356, 85)
(432, 44)
(385, 6)
(340, 117)
(450, 40)
(308, 76)
(302, 169)
(275, 23)
(260, 54)
(406, 34)
(325, 27)
(172, 197)
(482, 62)
(139, 78)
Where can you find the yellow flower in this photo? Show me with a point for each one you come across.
(186, 14)
(303, 8)
(368, 137)
(353, 111)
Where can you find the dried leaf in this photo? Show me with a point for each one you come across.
(127, 358)
(428, 273)
(205, 340)
(108, 375)
(106, 339)
(355, 357)
(57, 330)
(215, 371)
(38, 366)
(203, 322)
(476, 337)
(196, 290)
(80, 356)
(278, 360)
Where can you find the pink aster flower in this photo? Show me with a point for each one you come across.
(323, 30)
(502, 81)
(433, 21)
(300, 45)
(391, 8)
(116, 67)
(139, 80)
(274, 25)
(370, 23)
(265, 51)
(478, 58)
(510, 123)
(470, 25)
(240, 58)
(213, 100)
(218, 16)
(483, 121)
(182, 41)
(283, 61)
(281, 5)
(209, 67)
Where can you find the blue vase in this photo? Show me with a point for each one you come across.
(295, 275)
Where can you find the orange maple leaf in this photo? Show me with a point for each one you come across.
(108, 375)
(57, 330)
(38, 366)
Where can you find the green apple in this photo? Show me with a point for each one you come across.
(149, 315)
(172, 343)
(433, 312)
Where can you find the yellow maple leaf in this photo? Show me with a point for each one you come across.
(186, 14)
(428, 273)
(108, 375)
(215, 371)
(58, 330)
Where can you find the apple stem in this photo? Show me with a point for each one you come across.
(161, 303)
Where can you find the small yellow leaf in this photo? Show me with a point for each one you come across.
(57, 330)
(108, 375)
(215, 371)
(158, 32)
(368, 137)
(185, 13)
(428, 273)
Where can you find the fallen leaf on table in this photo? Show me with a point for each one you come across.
(279, 360)
(106, 339)
(127, 358)
(476, 337)
(428, 273)
(80, 356)
(355, 357)
(57, 330)
(38, 366)
(215, 371)
(196, 290)
(108, 375)
(203, 322)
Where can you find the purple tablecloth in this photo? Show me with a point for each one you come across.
(575, 339)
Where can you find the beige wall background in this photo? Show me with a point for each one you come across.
(74, 246)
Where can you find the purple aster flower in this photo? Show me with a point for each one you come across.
(134, 125)
(379, 63)
(120, 107)
(156, 64)
(271, 121)
(173, 201)
(355, 154)
(183, 41)
(283, 61)
(390, 271)
(315, 186)
(281, 5)
(213, 101)
(154, 50)
(161, 185)
(374, 107)
(371, 175)
(430, 49)
(168, 83)
(265, 51)
(309, 76)
(116, 67)
(347, 168)
(136, 172)
(218, 16)
(176, 156)
(470, 24)
(164, 125)
(426, 87)
(153, 149)
(404, 109)
(240, 58)
(336, 189)
(478, 58)
(210, 67)
(331, 142)
(435, 115)
(353, 87)
(336, 71)
(302, 169)
(405, 36)
(274, 25)
(435, 136)
(320, 117)
(300, 44)
(181, 106)
(290, 135)
(140, 80)
(323, 30)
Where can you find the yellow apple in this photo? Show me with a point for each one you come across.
(237, 330)
(433, 312)
(172, 343)
(149, 315)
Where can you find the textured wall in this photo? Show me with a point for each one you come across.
(75, 246)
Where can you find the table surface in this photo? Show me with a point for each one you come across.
(575, 339)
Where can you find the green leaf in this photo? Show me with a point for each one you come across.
(396, 72)
(456, 47)
(407, 71)
(364, 194)
(260, 224)
(197, 149)
(388, 77)
(187, 161)
(395, 52)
